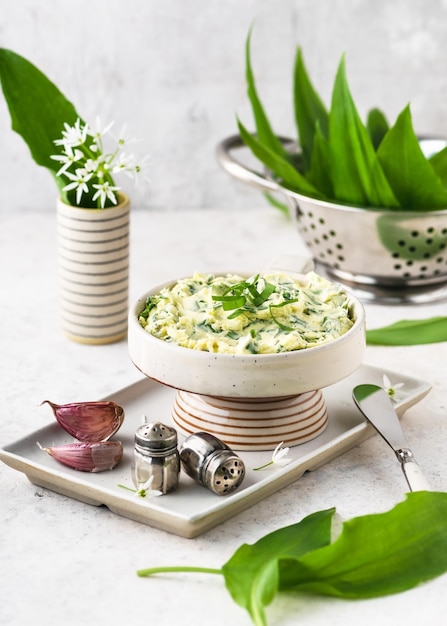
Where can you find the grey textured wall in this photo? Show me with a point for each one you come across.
(174, 71)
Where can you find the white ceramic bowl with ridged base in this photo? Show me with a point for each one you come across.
(205, 379)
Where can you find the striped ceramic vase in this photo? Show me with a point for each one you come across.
(93, 250)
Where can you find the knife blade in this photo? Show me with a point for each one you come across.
(377, 408)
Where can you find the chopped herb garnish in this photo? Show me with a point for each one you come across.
(151, 302)
(247, 291)
(245, 295)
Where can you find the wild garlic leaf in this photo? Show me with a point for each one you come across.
(413, 179)
(353, 157)
(374, 555)
(377, 126)
(38, 109)
(381, 193)
(284, 208)
(309, 110)
(351, 149)
(319, 173)
(377, 554)
(251, 574)
(263, 127)
(409, 332)
(439, 163)
(290, 177)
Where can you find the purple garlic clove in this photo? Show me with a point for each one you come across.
(87, 456)
(89, 421)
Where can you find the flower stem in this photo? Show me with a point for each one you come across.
(128, 488)
(256, 469)
(163, 570)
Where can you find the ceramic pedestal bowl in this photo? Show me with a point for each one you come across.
(249, 401)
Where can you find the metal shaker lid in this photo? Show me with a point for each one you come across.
(224, 472)
(211, 463)
(155, 437)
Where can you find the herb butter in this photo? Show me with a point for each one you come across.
(264, 314)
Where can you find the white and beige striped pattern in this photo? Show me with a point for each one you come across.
(93, 251)
(252, 424)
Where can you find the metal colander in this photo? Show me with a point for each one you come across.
(392, 256)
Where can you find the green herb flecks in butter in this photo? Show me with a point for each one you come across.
(260, 315)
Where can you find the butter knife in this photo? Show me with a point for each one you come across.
(376, 406)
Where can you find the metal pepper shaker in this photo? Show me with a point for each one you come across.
(211, 463)
(156, 455)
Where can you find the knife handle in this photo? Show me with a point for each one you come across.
(412, 471)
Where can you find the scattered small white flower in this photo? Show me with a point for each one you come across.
(279, 457)
(392, 390)
(144, 489)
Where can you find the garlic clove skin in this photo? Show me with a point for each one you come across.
(87, 456)
(89, 421)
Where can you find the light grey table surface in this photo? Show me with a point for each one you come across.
(63, 561)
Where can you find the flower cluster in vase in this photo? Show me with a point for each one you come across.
(88, 167)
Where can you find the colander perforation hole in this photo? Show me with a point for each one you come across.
(319, 239)
(420, 251)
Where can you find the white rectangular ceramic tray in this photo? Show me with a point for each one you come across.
(192, 509)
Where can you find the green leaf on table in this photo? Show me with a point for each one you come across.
(251, 574)
(356, 175)
(377, 554)
(410, 332)
(412, 177)
(263, 127)
(38, 109)
(377, 126)
(374, 555)
(309, 109)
